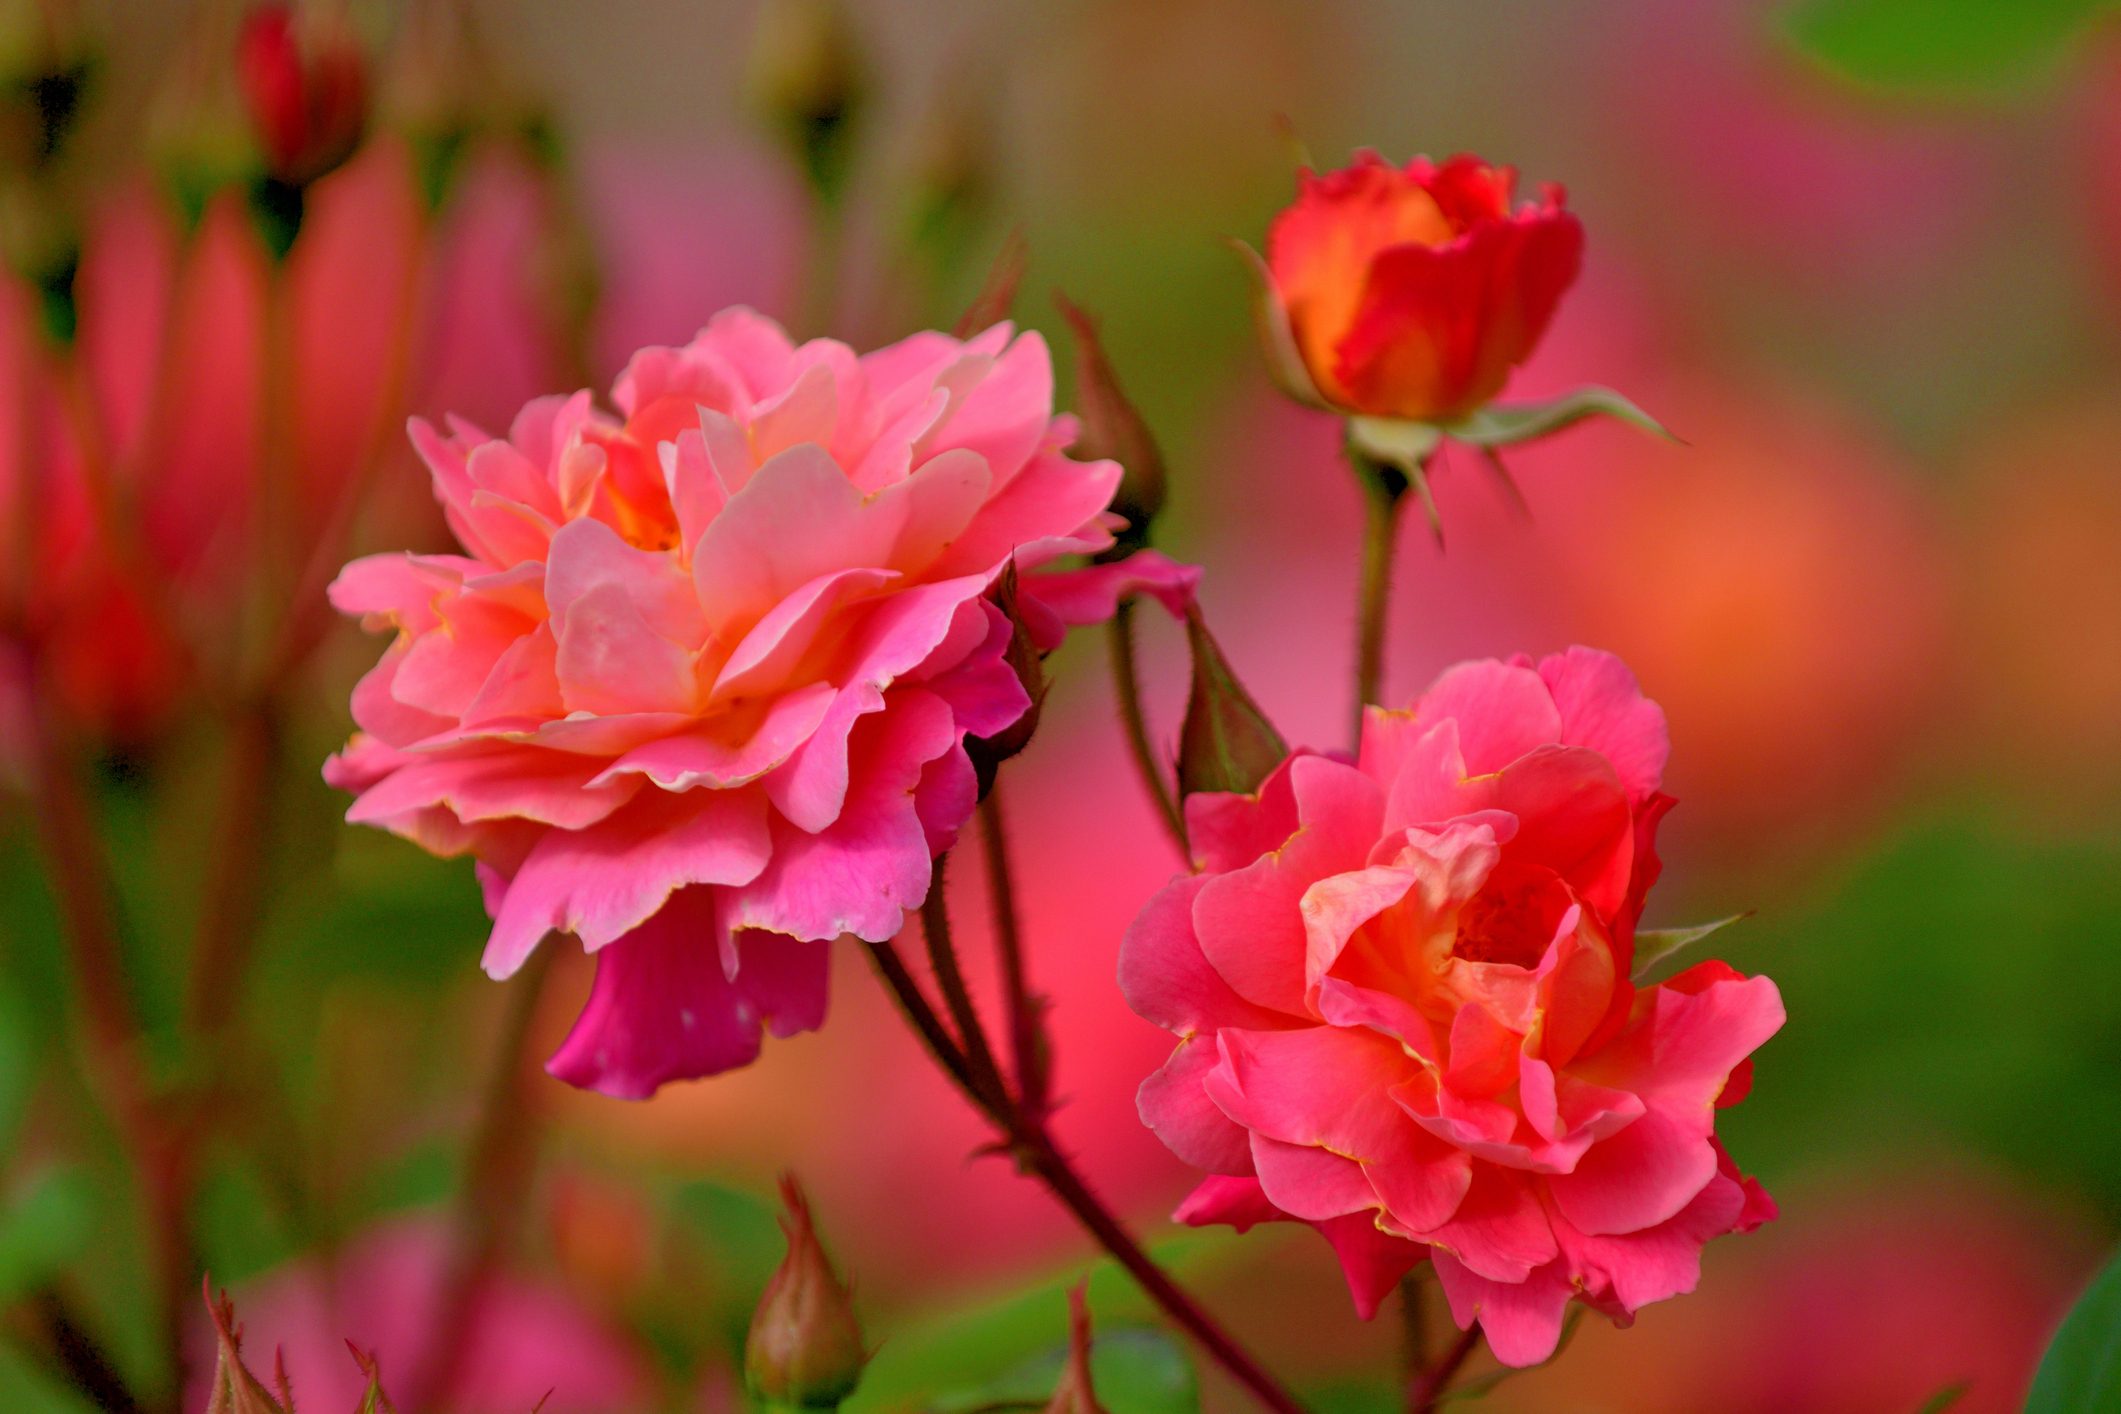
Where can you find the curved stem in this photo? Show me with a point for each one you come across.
(1024, 1008)
(985, 1074)
(235, 898)
(1126, 686)
(1025, 1133)
(1427, 1390)
(1383, 489)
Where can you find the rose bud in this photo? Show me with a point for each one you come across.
(305, 86)
(805, 1346)
(1402, 297)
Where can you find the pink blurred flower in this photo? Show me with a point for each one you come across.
(385, 1293)
(699, 689)
(1402, 990)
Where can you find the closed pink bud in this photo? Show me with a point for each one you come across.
(805, 1346)
(306, 90)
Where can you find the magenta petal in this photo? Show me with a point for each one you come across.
(1502, 711)
(662, 1008)
(603, 882)
(1638, 1177)
(1178, 1111)
(1092, 595)
(1238, 1202)
(1164, 977)
(1372, 1261)
(870, 864)
(1602, 707)
(1522, 1320)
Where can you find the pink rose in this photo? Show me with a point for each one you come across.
(1401, 987)
(698, 689)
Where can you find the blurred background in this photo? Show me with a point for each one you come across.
(1863, 256)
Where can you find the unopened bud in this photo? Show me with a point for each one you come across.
(304, 80)
(1113, 427)
(805, 80)
(1075, 1394)
(44, 70)
(373, 1399)
(805, 1346)
(988, 752)
(1227, 743)
(235, 1389)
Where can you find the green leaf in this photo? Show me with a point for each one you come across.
(1503, 425)
(1226, 742)
(1655, 945)
(2082, 1367)
(44, 1228)
(1136, 1371)
(1945, 1398)
(1939, 46)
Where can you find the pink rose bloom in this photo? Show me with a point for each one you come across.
(1401, 990)
(699, 687)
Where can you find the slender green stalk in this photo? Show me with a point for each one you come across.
(1126, 686)
(1384, 488)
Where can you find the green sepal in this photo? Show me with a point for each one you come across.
(1654, 946)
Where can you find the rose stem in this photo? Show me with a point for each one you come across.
(985, 1074)
(1126, 685)
(1383, 489)
(1426, 1393)
(497, 1173)
(1023, 1007)
(1026, 1135)
(87, 898)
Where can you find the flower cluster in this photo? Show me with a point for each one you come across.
(699, 687)
(1402, 989)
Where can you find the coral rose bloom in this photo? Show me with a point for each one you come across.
(1412, 292)
(698, 689)
(1401, 988)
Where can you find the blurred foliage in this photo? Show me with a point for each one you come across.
(2082, 1368)
(1941, 46)
(1956, 989)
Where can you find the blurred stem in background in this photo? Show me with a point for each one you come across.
(491, 1195)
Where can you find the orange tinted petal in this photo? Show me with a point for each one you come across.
(1320, 248)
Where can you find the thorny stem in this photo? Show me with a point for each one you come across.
(1126, 686)
(1024, 1008)
(497, 1173)
(986, 1075)
(1428, 1388)
(1383, 490)
(1024, 1131)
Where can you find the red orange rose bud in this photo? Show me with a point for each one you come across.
(1226, 742)
(304, 82)
(805, 1346)
(1412, 292)
(1113, 427)
(1075, 1394)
